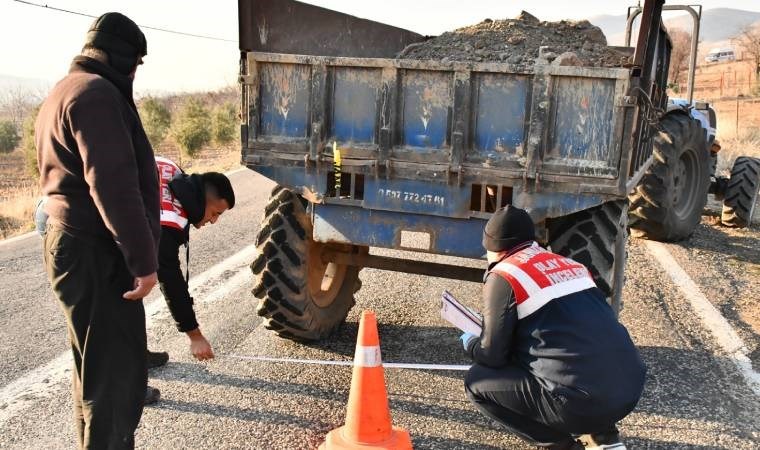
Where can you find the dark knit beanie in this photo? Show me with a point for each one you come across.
(121, 38)
(507, 228)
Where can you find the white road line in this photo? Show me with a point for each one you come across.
(234, 171)
(725, 335)
(41, 382)
(22, 237)
(328, 362)
(197, 283)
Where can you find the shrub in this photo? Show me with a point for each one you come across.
(191, 129)
(28, 146)
(156, 120)
(224, 123)
(9, 137)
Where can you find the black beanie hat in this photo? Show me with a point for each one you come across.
(507, 228)
(117, 35)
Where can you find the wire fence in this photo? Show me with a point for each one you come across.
(717, 85)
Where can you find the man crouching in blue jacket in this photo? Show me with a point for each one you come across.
(552, 362)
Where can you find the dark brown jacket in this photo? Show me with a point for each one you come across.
(96, 164)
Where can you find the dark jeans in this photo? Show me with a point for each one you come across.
(107, 336)
(514, 398)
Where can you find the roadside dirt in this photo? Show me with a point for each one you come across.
(725, 264)
(518, 41)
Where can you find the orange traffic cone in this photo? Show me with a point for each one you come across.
(368, 418)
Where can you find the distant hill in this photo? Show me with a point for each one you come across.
(719, 24)
(25, 84)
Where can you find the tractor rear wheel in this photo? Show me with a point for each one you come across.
(741, 192)
(300, 297)
(668, 202)
(596, 238)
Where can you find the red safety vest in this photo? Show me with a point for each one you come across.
(172, 213)
(538, 276)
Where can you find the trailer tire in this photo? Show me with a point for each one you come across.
(596, 238)
(668, 202)
(300, 297)
(741, 192)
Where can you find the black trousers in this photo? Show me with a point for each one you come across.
(514, 398)
(107, 336)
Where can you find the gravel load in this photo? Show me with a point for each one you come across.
(519, 41)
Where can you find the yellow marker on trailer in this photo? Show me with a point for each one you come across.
(336, 166)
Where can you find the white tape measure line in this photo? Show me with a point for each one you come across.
(326, 362)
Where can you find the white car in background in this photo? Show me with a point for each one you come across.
(720, 55)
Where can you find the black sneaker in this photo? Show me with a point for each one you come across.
(605, 440)
(152, 395)
(156, 359)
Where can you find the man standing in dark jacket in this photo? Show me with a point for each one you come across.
(195, 199)
(98, 172)
(552, 362)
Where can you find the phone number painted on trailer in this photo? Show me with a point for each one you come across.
(412, 197)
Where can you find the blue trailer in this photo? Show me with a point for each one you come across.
(373, 151)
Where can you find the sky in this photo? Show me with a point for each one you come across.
(40, 43)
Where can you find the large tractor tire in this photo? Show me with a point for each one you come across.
(300, 297)
(668, 202)
(596, 238)
(741, 192)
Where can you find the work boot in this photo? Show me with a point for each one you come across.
(156, 359)
(605, 440)
(152, 395)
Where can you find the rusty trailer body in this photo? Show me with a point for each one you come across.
(427, 150)
(435, 140)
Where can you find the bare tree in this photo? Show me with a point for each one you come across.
(749, 40)
(16, 102)
(679, 56)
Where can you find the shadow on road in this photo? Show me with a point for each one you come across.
(640, 443)
(734, 244)
(268, 416)
(683, 384)
(690, 384)
(430, 406)
(402, 343)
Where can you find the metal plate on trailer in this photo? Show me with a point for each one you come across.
(500, 114)
(284, 92)
(355, 105)
(583, 119)
(359, 226)
(427, 99)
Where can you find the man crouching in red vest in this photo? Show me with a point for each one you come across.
(552, 362)
(186, 200)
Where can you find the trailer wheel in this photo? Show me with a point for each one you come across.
(667, 204)
(741, 192)
(300, 297)
(596, 238)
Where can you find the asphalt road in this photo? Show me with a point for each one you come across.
(694, 398)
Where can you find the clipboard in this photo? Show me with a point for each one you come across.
(460, 316)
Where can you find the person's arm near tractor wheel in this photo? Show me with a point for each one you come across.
(174, 287)
(499, 321)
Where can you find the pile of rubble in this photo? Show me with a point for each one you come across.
(518, 41)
